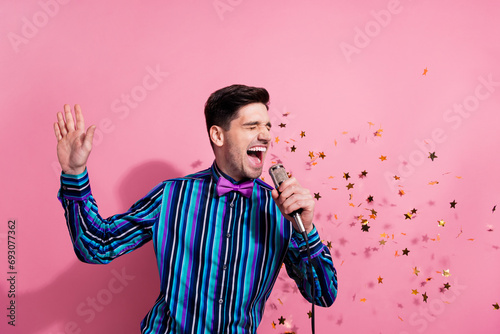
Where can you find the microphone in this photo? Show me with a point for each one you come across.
(279, 175)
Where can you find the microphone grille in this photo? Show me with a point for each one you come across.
(278, 174)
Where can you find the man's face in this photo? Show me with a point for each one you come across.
(245, 144)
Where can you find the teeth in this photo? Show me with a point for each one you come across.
(261, 149)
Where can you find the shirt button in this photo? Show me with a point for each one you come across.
(231, 205)
(228, 235)
(220, 301)
(224, 267)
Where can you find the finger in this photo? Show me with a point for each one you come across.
(70, 124)
(62, 124)
(80, 123)
(57, 132)
(297, 201)
(299, 204)
(291, 191)
(89, 137)
(274, 194)
(288, 183)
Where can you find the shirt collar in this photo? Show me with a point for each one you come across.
(217, 173)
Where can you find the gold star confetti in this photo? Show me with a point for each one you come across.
(380, 279)
(416, 271)
(447, 286)
(363, 300)
(425, 71)
(432, 156)
(317, 196)
(274, 325)
(350, 186)
(441, 222)
(302, 134)
(406, 251)
(281, 320)
(424, 295)
(433, 183)
(311, 154)
(396, 177)
(322, 155)
(309, 314)
(277, 140)
(382, 242)
(363, 174)
(401, 192)
(383, 158)
(496, 306)
(282, 125)
(446, 273)
(414, 292)
(293, 148)
(346, 176)
(453, 204)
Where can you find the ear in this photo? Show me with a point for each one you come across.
(217, 135)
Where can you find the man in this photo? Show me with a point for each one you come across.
(219, 237)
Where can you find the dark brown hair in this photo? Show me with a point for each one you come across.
(223, 105)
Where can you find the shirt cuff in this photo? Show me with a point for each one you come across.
(315, 244)
(75, 187)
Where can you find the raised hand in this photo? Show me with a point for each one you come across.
(73, 143)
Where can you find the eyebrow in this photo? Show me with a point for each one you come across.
(256, 123)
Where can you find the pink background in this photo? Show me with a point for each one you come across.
(331, 67)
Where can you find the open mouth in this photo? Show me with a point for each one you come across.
(256, 154)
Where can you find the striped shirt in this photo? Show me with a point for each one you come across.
(218, 257)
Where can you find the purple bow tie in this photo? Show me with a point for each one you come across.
(224, 186)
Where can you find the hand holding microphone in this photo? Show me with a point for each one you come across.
(295, 202)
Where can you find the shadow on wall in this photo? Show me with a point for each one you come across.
(97, 299)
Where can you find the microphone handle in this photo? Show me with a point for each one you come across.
(298, 220)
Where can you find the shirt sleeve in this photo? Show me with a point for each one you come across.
(324, 273)
(98, 240)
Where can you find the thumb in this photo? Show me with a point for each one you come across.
(89, 136)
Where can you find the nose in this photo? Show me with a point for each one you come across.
(264, 134)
